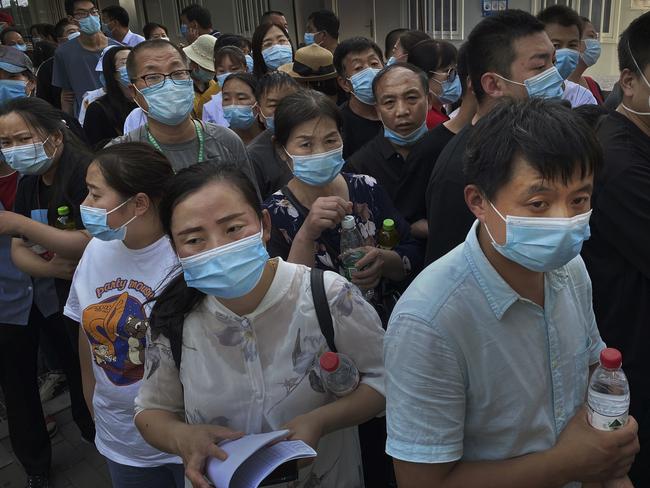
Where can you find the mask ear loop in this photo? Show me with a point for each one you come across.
(494, 242)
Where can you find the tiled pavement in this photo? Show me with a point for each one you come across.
(75, 464)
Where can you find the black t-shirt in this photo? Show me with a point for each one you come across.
(618, 253)
(448, 215)
(405, 181)
(271, 172)
(34, 199)
(357, 130)
(103, 123)
(44, 87)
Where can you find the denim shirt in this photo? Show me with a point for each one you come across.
(476, 372)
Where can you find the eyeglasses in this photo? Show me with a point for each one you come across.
(177, 76)
(450, 74)
(82, 14)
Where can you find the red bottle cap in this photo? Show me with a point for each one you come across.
(329, 361)
(611, 358)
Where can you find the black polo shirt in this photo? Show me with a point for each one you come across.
(357, 130)
(448, 215)
(405, 180)
(271, 172)
(618, 253)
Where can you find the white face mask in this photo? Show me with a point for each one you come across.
(645, 81)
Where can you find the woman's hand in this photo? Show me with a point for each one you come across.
(195, 443)
(307, 428)
(62, 268)
(326, 213)
(371, 268)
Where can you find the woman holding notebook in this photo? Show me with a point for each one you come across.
(235, 341)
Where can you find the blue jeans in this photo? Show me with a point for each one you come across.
(165, 476)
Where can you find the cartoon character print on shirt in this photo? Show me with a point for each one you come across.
(116, 329)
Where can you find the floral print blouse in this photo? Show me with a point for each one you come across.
(258, 372)
(371, 206)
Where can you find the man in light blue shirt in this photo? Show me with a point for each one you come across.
(488, 352)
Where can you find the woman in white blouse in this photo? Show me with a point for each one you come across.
(243, 330)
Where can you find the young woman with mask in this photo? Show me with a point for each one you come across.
(105, 116)
(109, 302)
(307, 213)
(227, 60)
(235, 340)
(271, 48)
(239, 106)
(438, 60)
(36, 143)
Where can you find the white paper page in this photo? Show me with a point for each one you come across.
(220, 472)
(257, 467)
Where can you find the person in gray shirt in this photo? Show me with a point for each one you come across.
(162, 87)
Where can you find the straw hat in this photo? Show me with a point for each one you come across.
(312, 63)
(201, 51)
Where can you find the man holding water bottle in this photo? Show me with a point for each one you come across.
(488, 353)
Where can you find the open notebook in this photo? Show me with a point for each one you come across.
(251, 459)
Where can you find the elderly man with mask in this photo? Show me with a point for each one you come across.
(161, 85)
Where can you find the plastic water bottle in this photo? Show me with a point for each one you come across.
(608, 400)
(339, 373)
(351, 252)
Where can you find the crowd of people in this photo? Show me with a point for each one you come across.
(162, 204)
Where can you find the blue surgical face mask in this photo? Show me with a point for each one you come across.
(169, 102)
(547, 84)
(318, 169)
(90, 25)
(362, 85)
(249, 63)
(21, 47)
(407, 140)
(30, 159)
(269, 122)
(239, 116)
(107, 30)
(592, 51)
(184, 30)
(74, 35)
(124, 76)
(221, 79)
(451, 90)
(229, 271)
(96, 222)
(10, 89)
(277, 55)
(566, 61)
(391, 60)
(309, 38)
(542, 244)
(202, 75)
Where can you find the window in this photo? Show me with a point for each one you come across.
(247, 15)
(442, 19)
(600, 12)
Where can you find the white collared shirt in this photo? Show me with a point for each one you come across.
(132, 39)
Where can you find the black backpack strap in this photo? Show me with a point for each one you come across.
(322, 306)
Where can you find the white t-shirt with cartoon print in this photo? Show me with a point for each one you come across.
(108, 298)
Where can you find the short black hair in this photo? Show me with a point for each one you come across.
(7, 31)
(45, 30)
(150, 44)
(60, 26)
(115, 12)
(233, 52)
(409, 39)
(69, 5)
(148, 29)
(247, 78)
(353, 45)
(424, 81)
(300, 107)
(231, 40)
(325, 20)
(273, 81)
(550, 137)
(462, 67)
(266, 16)
(490, 45)
(562, 15)
(433, 55)
(391, 39)
(199, 14)
(635, 41)
(591, 114)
